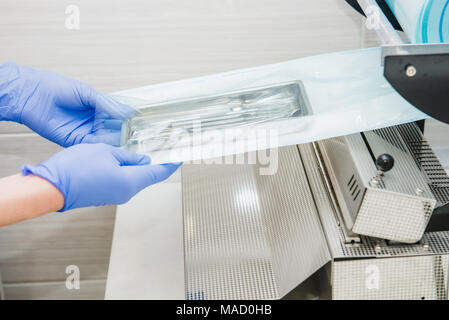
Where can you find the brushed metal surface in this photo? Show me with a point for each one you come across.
(341, 166)
(414, 49)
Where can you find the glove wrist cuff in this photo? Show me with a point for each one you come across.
(43, 172)
(11, 87)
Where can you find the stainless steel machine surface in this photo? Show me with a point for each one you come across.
(363, 216)
(252, 236)
(395, 205)
(243, 236)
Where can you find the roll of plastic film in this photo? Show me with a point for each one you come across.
(424, 21)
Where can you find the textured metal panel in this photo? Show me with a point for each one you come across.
(327, 212)
(405, 177)
(404, 271)
(227, 255)
(249, 236)
(427, 161)
(393, 216)
(347, 183)
(399, 204)
(432, 243)
(297, 242)
(402, 213)
(417, 278)
(355, 265)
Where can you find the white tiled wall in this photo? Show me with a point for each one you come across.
(125, 44)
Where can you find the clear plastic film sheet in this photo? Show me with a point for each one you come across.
(424, 21)
(260, 108)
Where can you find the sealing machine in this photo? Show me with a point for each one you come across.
(364, 216)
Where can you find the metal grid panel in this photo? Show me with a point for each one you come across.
(291, 219)
(413, 278)
(249, 236)
(393, 216)
(227, 255)
(427, 161)
(431, 243)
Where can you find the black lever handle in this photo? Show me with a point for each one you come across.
(384, 162)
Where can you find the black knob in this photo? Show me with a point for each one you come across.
(384, 162)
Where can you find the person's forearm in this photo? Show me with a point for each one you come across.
(27, 197)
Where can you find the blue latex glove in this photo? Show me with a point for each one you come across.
(99, 174)
(60, 109)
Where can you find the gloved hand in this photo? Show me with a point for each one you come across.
(99, 174)
(58, 108)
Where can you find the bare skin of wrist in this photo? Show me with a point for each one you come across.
(27, 197)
